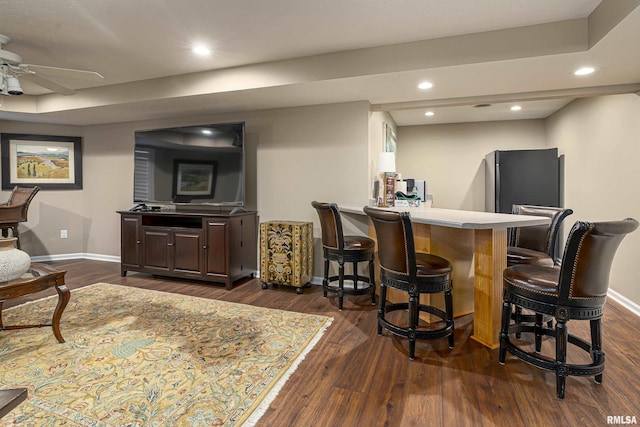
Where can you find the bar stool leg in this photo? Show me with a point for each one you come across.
(383, 305)
(325, 281)
(596, 345)
(504, 331)
(448, 303)
(537, 334)
(561, 356)
(340, 283)
(372, 282)
(518, 319)
(355, 275)
(413, 315)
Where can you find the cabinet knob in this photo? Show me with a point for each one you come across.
(169, 244)
(205, 247)
(138, 242)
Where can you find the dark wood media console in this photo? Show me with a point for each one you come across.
(214, 247)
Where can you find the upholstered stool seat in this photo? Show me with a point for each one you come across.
(358, 243)
(518, 256)
(533, 281)
(428, 265)
(416, 273)
(577, 290)
(344, 249)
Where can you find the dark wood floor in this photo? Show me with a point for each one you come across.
(355, 377)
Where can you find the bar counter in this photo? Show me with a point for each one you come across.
(476, 245)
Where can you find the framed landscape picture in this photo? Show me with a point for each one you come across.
(194, 179)
(389, 139)
(50, 162)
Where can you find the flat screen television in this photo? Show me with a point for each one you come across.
(201, 164)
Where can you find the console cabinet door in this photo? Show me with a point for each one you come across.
(217, 237)
(131, 242)
(156, 248)
(188, 256)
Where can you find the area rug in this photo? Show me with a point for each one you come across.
(136, 357)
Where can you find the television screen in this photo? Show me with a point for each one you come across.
(192, 164)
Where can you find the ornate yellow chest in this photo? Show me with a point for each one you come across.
(286, 253)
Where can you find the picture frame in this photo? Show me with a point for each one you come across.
(389, 139)
(50, 162)
(194, 179)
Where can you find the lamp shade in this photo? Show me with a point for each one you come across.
(386, 162)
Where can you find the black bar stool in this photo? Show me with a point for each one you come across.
(534, 245)
(401, 267)
(342, 249)
(577, 290)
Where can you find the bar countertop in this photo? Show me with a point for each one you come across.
(454, 218)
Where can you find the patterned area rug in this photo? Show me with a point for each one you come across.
(137, 357)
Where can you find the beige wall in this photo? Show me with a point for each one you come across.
(451, 157)
(300, 154)
(294, 156)
(51, 210)
(600, 138)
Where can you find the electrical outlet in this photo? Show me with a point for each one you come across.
(63, 234)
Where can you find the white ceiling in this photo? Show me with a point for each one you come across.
(282, 53)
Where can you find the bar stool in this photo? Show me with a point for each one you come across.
(342, 249)
(534, 245)
(577, 290)
(401, 267)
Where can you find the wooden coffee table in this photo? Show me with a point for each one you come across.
(38, 278)
(11, 398)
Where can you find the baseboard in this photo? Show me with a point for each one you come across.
(624, 301)
(66, 257)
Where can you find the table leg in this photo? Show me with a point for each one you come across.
(63, 299)
(490, 254)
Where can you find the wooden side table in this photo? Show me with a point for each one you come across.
(38, 278)
(286, 253)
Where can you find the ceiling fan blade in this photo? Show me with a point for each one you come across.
(65, 72)
(41, 81)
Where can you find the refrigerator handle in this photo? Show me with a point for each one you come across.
(497, 201)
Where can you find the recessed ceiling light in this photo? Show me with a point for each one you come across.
(201, 50)
(425, 85)
(206, 131)
(429, 113)
(516, 108)
(584, 71)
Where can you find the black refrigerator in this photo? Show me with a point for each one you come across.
(530, 177)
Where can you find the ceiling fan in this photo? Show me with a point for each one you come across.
(12, 69)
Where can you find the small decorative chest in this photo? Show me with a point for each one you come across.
(286, 253)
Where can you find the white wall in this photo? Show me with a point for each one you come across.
(600, 138)
(450, 157)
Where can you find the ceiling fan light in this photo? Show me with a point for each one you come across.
(13, 86)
